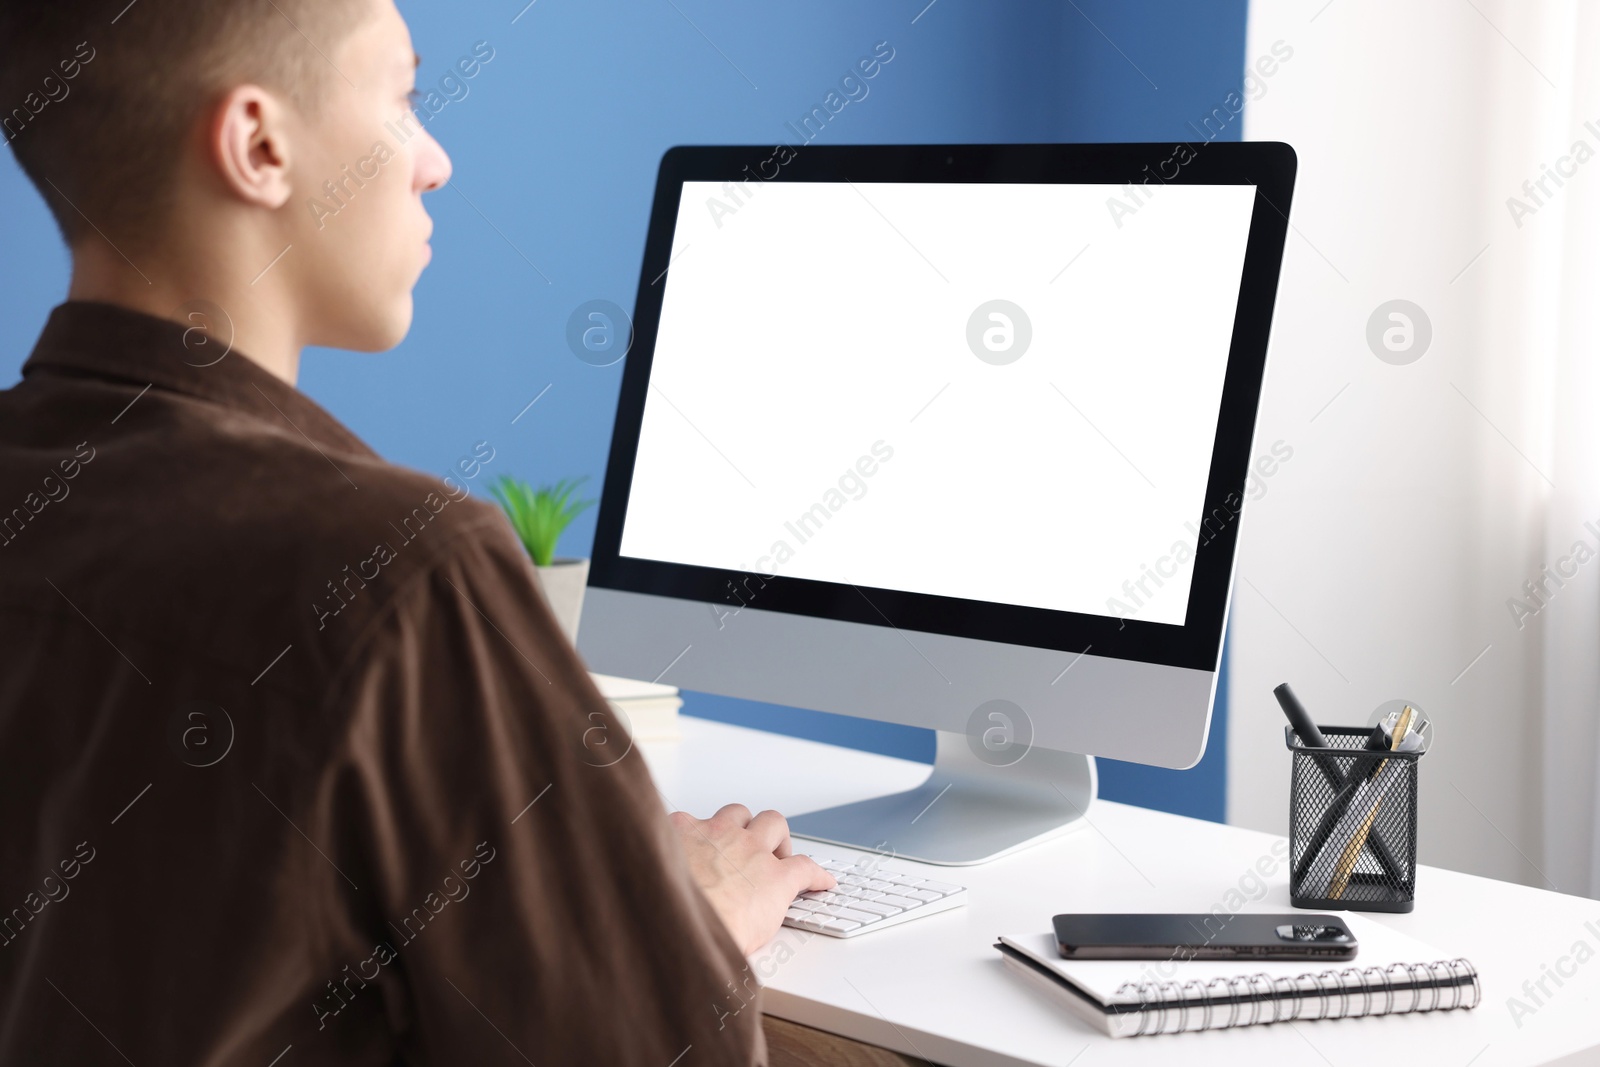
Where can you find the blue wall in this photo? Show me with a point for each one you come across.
(555, 148)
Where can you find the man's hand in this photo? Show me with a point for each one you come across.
(747, 869)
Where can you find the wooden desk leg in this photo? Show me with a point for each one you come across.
(792, 1045)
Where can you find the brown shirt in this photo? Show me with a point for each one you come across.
(297, 763)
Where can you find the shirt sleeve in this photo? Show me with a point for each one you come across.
(530, 901)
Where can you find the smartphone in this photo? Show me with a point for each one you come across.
(1211, 936)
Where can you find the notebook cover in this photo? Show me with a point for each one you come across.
(1123, 998)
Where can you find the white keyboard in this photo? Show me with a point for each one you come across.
(870, 898)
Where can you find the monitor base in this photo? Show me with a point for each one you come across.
(968, 811)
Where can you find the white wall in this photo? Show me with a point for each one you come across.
(1379, 562)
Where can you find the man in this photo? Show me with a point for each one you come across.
(298, 767)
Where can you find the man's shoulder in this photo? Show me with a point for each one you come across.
(398, 524)
(322, 556)
(330, 541)
(232, 537)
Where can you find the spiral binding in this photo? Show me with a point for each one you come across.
(1348, 993)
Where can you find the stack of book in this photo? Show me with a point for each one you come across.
(649, 708)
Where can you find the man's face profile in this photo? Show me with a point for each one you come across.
(359, 163)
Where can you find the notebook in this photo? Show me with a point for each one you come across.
(1130, 998)
(650, 709)
(614, 688)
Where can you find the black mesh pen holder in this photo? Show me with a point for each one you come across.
(1352, 824)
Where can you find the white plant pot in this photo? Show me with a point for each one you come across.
(563, 583)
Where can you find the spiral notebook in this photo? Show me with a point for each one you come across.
(1130, 998)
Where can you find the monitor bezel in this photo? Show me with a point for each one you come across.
(1269, 166)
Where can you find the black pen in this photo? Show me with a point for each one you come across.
(1311, 737)
(1306, 729)
(1299, 717)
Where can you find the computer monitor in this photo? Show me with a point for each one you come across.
(955, 436)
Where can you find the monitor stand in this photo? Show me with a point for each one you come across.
(968, 811)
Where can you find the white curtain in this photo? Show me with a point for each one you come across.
(1449, 158)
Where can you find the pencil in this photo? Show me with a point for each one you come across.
(1352, 851)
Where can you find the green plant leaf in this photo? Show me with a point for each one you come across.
(539, 516)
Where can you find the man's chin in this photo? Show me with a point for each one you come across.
(398, 326)
(378, 331)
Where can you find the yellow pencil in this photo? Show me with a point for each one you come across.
(1352, 851)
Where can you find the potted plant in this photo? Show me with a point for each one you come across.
(539, 516)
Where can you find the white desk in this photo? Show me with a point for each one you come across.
(936, 988)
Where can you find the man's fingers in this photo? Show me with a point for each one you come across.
(772, 830)
(732, 814)
(807, 876)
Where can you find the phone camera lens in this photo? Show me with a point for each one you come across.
(1312, 933)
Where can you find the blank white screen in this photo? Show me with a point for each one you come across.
(805, 323)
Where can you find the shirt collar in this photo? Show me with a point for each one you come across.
(114, 343)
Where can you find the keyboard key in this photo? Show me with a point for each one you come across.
(825, 925)
(846, 898)
(837, 912)
(878, 909)
(823, 895)
(867, 898)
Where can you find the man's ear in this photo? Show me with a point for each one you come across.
(250, 146)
